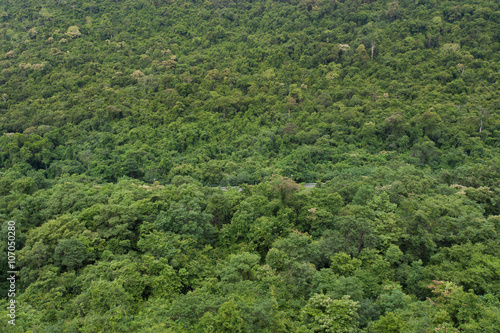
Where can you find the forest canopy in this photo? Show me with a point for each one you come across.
(121, 120)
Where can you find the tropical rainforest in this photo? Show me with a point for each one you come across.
(153, 156)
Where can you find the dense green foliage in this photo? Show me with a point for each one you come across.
(118, 120)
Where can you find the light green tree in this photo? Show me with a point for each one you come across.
(324, 314)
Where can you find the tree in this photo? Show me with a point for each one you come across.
(284, 187)
(467, 264)
(343, 265)
(324, 314)
(103, 297)
(240, 267)
(466, 310)
(393, 9)
(227, 320)
(186, 218)
(356, 233)
(70, 253)
(73, 31)
(36, 256)
(362, 54)
(391, 323)
(289, 129)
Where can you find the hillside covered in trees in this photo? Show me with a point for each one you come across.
(119, 120)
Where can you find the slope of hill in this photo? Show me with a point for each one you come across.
(118, 117)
